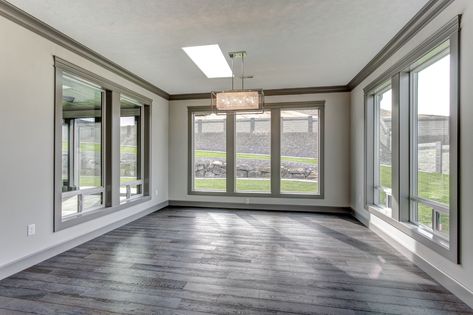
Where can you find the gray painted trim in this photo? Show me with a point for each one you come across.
(275, 178)
(445, 280)
(434, 40)
(147, 169)
(103, 82)
(417, 23)
(33, 24)
(37, 257)
(425, 15)
(400, 72)
(57, 184)
(275, 108)
(396, 143)
(111, 143)
(230, 133)
(269, 207)
(414, 232)
(449, 283)
(270, 92)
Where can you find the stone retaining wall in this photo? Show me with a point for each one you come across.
(208, 168)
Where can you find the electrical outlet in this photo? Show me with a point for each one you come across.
(31, 230)
(156, 192)
(247, 201)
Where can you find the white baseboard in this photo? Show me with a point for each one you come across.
(35, 258)
(449, 283)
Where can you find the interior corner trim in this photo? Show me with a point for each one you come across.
(428, 12)
(31, 23)
(270, 92)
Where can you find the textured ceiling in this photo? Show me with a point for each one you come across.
(290, 43)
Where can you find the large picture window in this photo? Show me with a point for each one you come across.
(277, 152)
(131, 149)
(430, 138)
(209, 152)
(300, 147)
(411, 128)
(383, 149)
(82, 146)
(101, 146)
(253, 152)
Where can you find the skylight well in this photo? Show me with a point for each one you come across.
(210, 60)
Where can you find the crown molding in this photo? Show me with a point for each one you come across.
(424, 16)
(270, 92)
(428, 12)
(31, 23)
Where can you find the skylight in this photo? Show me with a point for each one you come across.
(210, 60)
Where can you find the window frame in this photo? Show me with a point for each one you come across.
(140, 161)
(400, 76)
(415, 199)
(110, 146)
(275, 158)
(377, 186)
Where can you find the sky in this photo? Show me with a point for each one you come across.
(433, 90)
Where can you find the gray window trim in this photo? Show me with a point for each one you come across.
(275, 109)
(111, 146)
(399, 74)
(141, 164)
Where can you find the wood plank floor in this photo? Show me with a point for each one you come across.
(195, 261)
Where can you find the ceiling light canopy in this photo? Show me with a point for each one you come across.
(210, 60)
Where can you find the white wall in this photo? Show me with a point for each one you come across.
(337, 165)
(26, 143)
(463, 274)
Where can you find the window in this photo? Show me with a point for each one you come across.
(383, 149)
(82, 146)
(277, 152)
(253, 152)
(101, 149)
(430, 138)
(209, 152)
(411, 129)
(300, 149)
(131, 177)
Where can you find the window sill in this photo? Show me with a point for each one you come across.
(91, 215)
(428, 239)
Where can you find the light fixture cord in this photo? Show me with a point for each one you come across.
(233, 72)
(242, 71)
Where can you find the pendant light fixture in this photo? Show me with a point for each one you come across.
(238, 100)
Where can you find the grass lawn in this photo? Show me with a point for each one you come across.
(256, 185)
(252, 156)
(95, 147)
(94, 181)
(433, 186)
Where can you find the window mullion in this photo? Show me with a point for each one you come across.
(276, 151)
(230, 155)
(395, 156)
(402, 156)
(112, 142)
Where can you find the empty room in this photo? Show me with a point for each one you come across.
(236, 157)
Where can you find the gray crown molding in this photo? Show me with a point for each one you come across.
(428, 12)
(424, 16)
(270, 92)
(31, 23)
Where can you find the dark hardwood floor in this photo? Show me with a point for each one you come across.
(190, 261)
